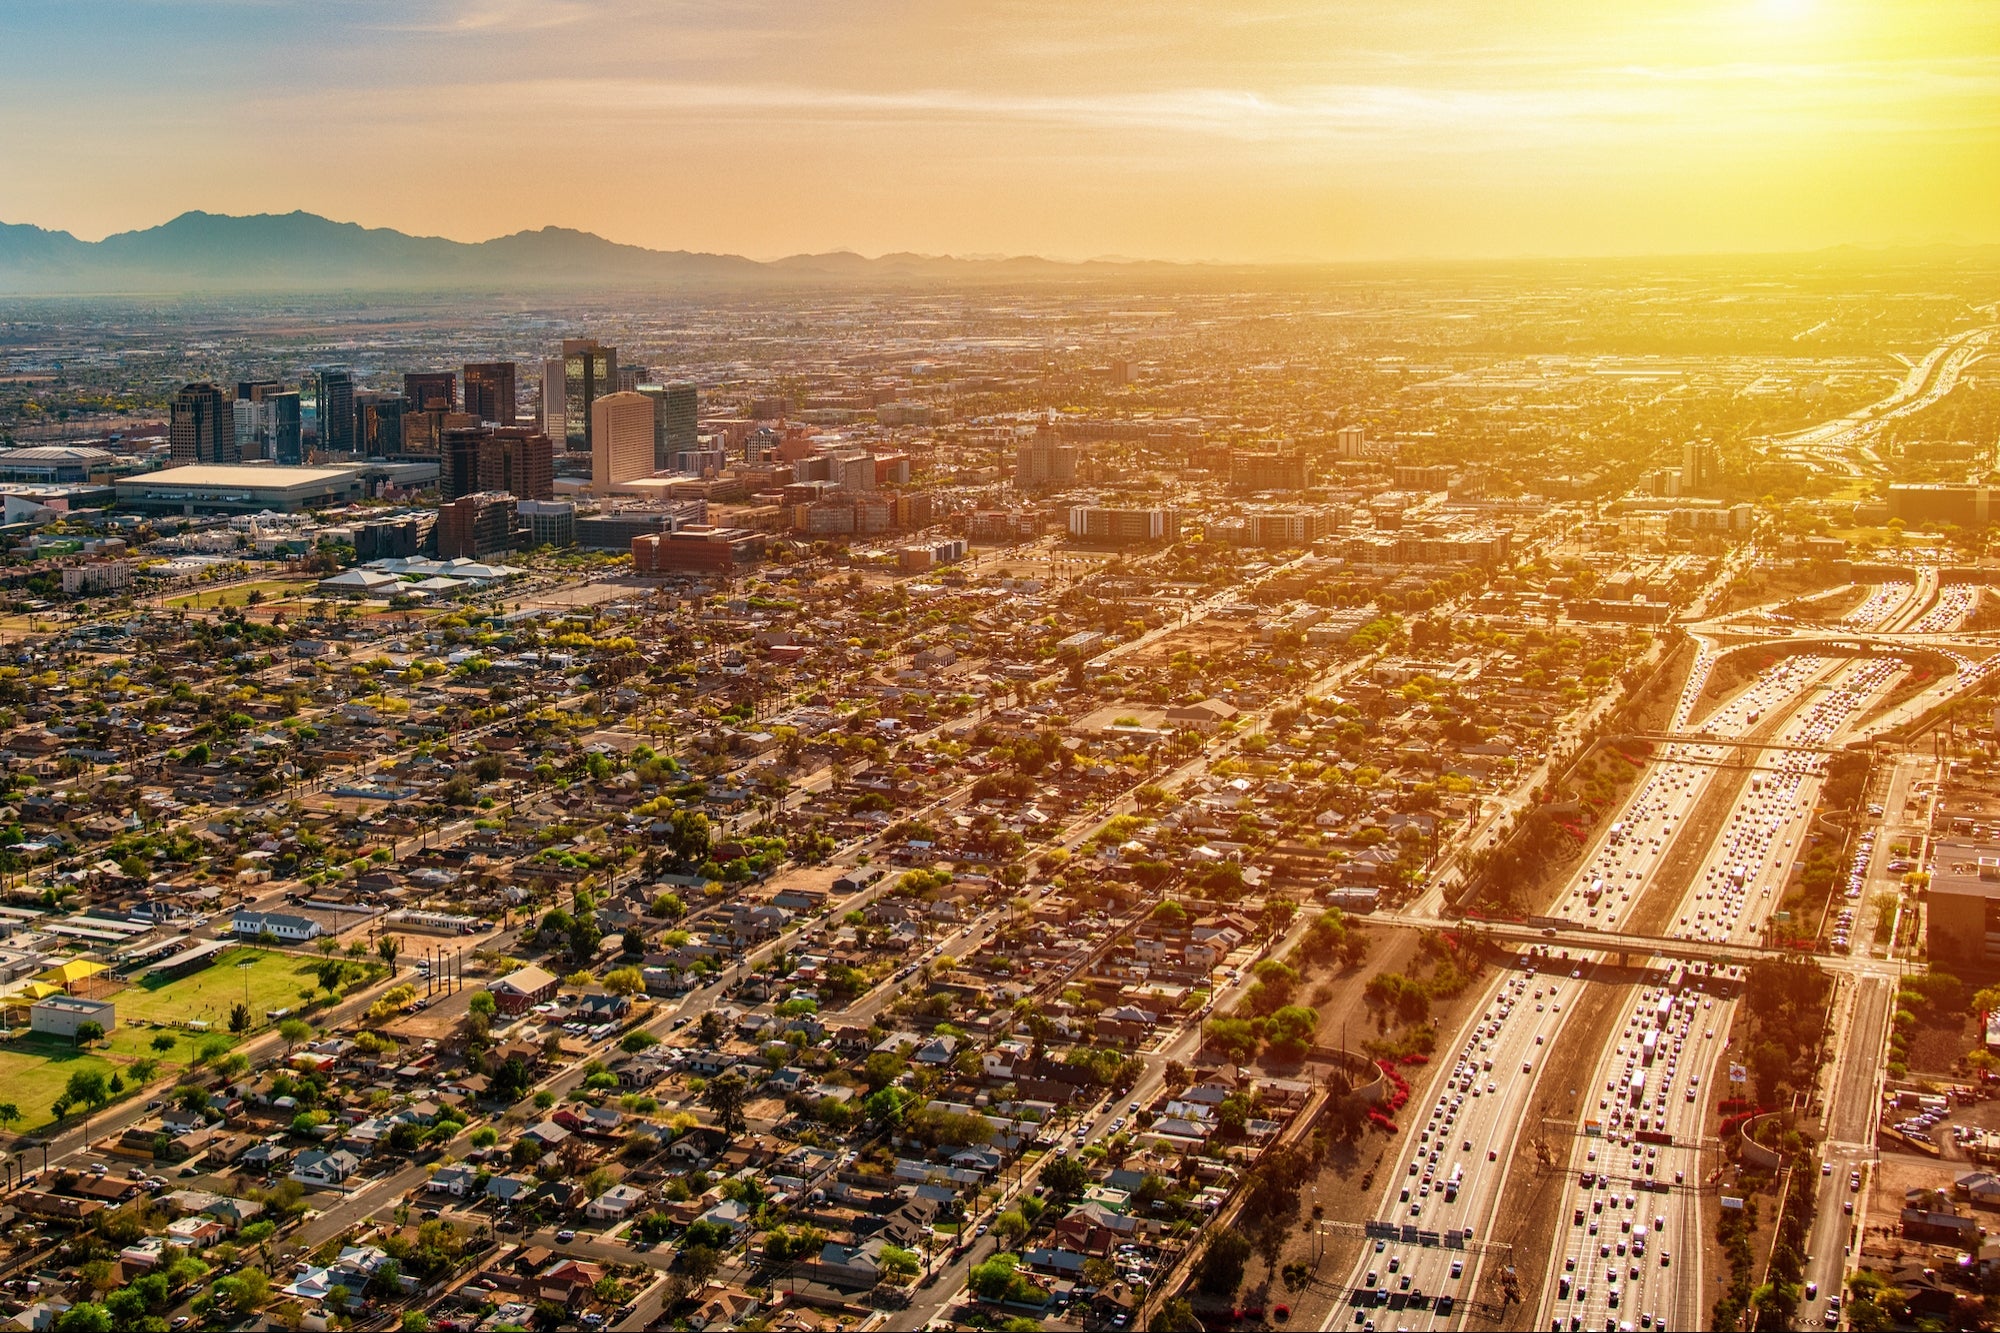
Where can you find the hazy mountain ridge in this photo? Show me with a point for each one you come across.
(299, 252)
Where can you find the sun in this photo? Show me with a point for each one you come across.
(1785, 9)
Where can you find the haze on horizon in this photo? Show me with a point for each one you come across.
(1261, 130)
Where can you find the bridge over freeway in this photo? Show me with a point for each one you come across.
(1732, 637)
(1589, 940)
(1735, 742)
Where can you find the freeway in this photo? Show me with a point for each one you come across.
(1499, 1048)
(1723, 909)
(1659, 1075)
(1930, 380)
(1675, 1025)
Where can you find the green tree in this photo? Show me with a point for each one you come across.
(88, 1032)
(330, 973)
(1220, 1269)
(700, 1263)
(899, 1262)
(294, 1031)
(1066, 1177)
(239, 1017)
(89, 1087)
(389, 947)
(84, 1317)
(726, 1097)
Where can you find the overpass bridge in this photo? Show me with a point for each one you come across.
(1734, 742)
(1590, 940)
(1731, 637)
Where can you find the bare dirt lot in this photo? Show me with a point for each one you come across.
(1762, 587)
(1896, 1173)
(1199, 639)
(1827, 606)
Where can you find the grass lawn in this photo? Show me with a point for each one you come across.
(271, 590)
(273, 979)
(34, 1070)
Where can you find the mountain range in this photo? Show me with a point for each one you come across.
(303, 252)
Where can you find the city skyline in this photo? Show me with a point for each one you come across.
(1273, 133)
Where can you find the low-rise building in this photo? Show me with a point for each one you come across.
(62, 1015)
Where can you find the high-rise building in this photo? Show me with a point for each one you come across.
(431, 391)
(621, 439)
(1420, 477)
(1698, 466)
(1350, 441)
(1045, 461)
(586, 372)
(267, 421)
(476, 526)
(676, 421)
(631, 377)
(547, 522)
(333, 408)
(489, 391)
(203, 425)
(286, 447)
(851, 470)
(378, 423)
(423, 432)
(1267, 471)
(514, 459)
(555, 405)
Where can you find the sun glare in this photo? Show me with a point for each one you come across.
(1785, 9)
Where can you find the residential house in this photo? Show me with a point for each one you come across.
(325, 1168)
(615, 1204)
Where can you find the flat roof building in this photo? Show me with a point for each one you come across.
(55, 463)
(203, 425)
(621, 440)
(489, 391)
(1962, 917)
(62, 1015)
(1944, 502)
(240, 488)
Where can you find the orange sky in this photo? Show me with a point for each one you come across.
(1256, 129)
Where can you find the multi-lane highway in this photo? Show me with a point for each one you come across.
(1838, 442)
(1639, 1161)
(1630, 1243)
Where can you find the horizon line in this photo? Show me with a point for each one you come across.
(1881, 248)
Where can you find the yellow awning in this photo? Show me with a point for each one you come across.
(75, 970)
